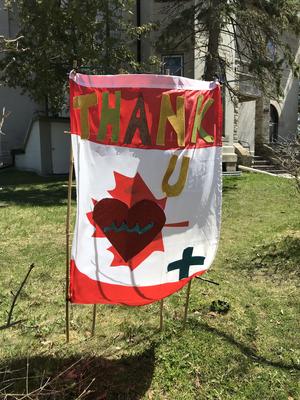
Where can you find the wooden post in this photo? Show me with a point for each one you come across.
(161, 308)
(94, 319)
(161, 315)
(188, 290)
(68, 245)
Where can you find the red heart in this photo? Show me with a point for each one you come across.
(129, 230)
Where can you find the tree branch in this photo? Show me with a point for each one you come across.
(15, 297)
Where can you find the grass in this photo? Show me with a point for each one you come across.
(250, 352)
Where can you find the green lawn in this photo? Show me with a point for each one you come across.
(251, 352)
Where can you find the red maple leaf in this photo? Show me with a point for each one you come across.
(130, 191)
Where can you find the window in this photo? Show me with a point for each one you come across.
(172, 65)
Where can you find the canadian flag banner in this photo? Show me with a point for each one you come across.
(148, 160)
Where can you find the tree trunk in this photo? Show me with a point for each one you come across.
(214, 30)
(46, 106)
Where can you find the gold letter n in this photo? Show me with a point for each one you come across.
(177, 120)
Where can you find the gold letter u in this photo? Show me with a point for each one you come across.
(176, 188)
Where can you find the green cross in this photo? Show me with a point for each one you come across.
(184, 264)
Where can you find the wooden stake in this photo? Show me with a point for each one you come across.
(188, 290)
(68, 245)
(161, 316)
(94, 319)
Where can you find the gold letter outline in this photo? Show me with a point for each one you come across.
(110, 116)
(199, 118)
(84, 102)
(176, 188)
(177, 120)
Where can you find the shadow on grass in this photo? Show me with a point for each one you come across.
(246, 350)
(127, 378)
(50, 195)
(229, 185)
(26, 188)
(278, 259)
(12, 176)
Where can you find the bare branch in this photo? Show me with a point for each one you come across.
(287, 154)
(15, 297)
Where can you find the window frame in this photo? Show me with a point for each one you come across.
(179, 55)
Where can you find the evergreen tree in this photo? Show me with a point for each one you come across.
(257, 30)
(98, 34)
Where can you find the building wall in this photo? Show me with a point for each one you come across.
(20, 106)
(47, 148)
(287, 107)
(152, 11)
(31, 160)
(246, 125)
(21, 110)
(288, 110)
(60, 147)
(262, 118)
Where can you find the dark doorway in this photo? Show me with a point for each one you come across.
(273, 124)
